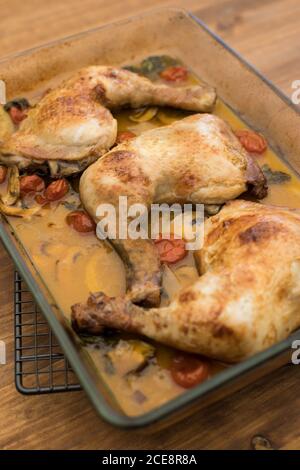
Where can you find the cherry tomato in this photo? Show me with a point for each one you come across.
(174, 74)
(17, 115)
(40, 199)
(81, 222)
(56, 190)
(3, 173)
(124, 136)
(251, 141)
(188, 371)
(170, 251)
(31, 184)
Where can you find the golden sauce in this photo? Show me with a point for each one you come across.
(74, 264)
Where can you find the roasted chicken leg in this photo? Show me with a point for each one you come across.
(72, 126)
(247, 298)
(196, 160)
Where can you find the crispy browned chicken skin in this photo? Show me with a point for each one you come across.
(197, 160)
(72, 125)
(247, 298)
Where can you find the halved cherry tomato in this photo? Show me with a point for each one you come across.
(188, 371)
(31, 184)
(17, 115)
(56, 190)
(40, 199)
(124, 136)
(251, 141)
(174, 74)
(170, 250)
(3, 173)
(81, 221)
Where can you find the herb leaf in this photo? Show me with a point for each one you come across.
(20, 103)
(152, 65)
(275, 176)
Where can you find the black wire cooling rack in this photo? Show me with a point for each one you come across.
(40, 365)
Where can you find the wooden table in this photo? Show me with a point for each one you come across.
(267, 34)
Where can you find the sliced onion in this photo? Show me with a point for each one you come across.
(18, 211)
(143, 114)
(13, 187)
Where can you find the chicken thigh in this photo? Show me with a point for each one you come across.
(247, 298)
(72, 125)
(196, 160)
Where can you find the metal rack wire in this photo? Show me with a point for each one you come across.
(40, 365)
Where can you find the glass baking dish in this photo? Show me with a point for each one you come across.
(263, 107)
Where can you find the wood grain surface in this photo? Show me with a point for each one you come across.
(267, 34)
